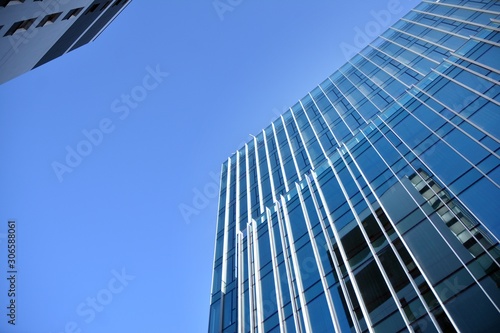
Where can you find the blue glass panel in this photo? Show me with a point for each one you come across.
(482, 199)
(319, 315)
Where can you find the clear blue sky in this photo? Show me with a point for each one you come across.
(118, 212)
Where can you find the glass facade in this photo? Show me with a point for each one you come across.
(371, 205)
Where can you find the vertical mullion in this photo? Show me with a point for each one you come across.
(241, 287)
(332, 253)
(277, 280)
(251, 277)
(302, 138)
(226, 227)
(292, 152)
(317, 257)
(270, 171)
(287, 258)
(282, 166)
(259, 177)
(296, 265)
(258, 286)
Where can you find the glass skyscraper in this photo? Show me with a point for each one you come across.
(373, 204)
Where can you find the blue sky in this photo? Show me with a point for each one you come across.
(120, 239)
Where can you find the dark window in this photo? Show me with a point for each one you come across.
(92, 8)
(19, 27)
(105, 5)
(49, 19)
(375, 292)
(73, 13)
